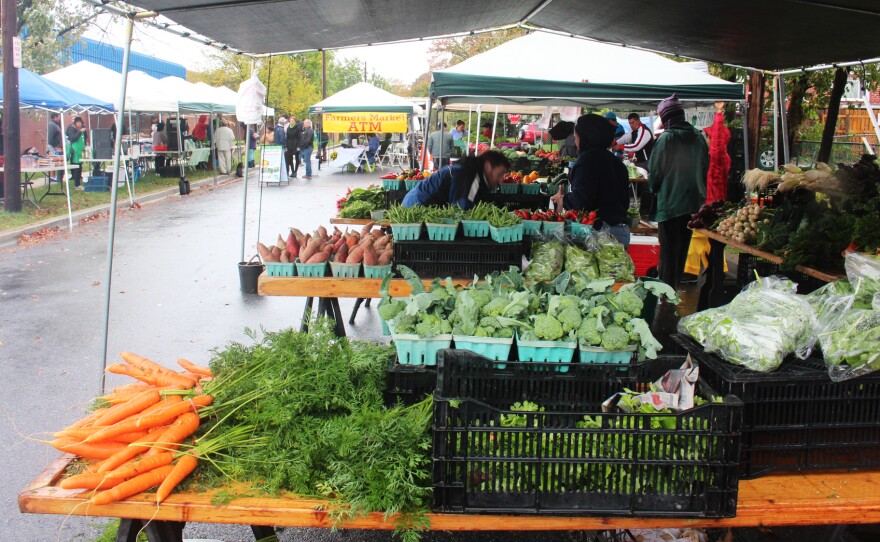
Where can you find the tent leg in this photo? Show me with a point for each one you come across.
(66, 175)
(247, 142)
(114, 198)
(786, 152)
(494, 124)
(213, 153)
(468, 140)
(775, 122)
(424, 157)
(745, 135)
(442, 128)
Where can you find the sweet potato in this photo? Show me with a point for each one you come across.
(370, 257)
(298, 235)
(385, 257)
(367, 227)
(276, 255)
(292, 245)
(314, 246)
(341, 254)
(322, 232)
(352, 240)
(285, 256)
(319, 257)
(280, 243)
(382, 242)
(355, 255)
(264, 251)
(327, 248)
(377, 234)
(338, 244)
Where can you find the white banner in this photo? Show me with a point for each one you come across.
(272, 167)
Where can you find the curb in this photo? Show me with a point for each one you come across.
(10, 237)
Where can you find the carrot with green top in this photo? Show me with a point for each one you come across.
(156, 379)
(133, 486)
(134, 405)
(90, 481)
(193, 368)
(139, 467)
(89, 450)
(184, 466)
(132, 450)
(162, 417)
(170, 440)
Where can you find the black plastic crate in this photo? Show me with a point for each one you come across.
(664, 465)
(462, 258)
(461, 373)
(394, 196)
(408, 384)
(532, 202)
(748, 264)
(796, 418)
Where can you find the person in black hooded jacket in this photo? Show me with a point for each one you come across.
(599, 180)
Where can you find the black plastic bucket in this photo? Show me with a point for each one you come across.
(248, 273)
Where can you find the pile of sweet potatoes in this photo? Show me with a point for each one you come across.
(369, 246)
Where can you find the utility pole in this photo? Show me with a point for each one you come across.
(11, 114)
(365, 72)
(323, 74)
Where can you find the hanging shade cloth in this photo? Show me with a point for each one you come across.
(364, 97)
(37, 91)
(521, 76)
(753, 33)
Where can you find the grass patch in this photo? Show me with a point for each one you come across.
(54, 206)
(109, 533)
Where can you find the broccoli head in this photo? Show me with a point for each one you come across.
(621, 318)
(431, 325)
(494, 307)
(588, 333)
(481, 297)
(570, 318)
(628, 302)
(405, 324)
(390, 309)
(615, 338)
(547, 328)
(493, 328)
(569, 301)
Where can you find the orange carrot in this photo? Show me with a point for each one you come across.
(134, 387)
(128, 438)
(88, 420)
(148, 421)
(132, 487)
(81, 433)
(193, 368)
(139, 467)
(130, 451)
(156, 379)
(99, 450)
(199, 378)
(120, 397)
(90, 481)
(133, 406)
(185, 465)
(143, 363)
(170, 440)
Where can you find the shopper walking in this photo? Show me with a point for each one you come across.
(291, 154)
(306, 143)
(224, 141)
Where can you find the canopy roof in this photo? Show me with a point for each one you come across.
(37, 91)
(522, 77)
(142, 94)
(196, 98)
(364, 97)
(753, 33)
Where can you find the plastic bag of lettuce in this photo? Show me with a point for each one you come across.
(761, 326)
(548, 258)
(614, 261)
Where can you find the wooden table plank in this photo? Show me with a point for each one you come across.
(813, 498)
(335, 287)
(358, 222)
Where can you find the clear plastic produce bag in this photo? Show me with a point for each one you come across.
(548, 257)
(614, 261)
(761, 326)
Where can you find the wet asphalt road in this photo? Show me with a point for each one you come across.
(175, 294)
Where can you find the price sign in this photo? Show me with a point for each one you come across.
(16, 52)
(514, 118)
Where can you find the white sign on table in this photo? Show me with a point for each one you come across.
(345, 157)
(272, 166)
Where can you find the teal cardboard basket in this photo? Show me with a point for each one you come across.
(475, 228)
(595, 354)
(581, 231)
(506, 234)
(441, 232)
(345, 270)
(406, 232)
(391, 184)
(547, 351)
(531, 228)
(532, 189)
(549, 227)
(274, 269)
(409, 185)
(311, 269)
(489, 347)
(509, 188)
(415, 350)
(376, 271)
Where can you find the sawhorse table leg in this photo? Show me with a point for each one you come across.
(156, 531)
(327, 307)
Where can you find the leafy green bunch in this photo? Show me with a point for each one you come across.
(488, 309)
(425, 312)
(360, 201)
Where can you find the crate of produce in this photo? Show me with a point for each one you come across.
(274, 269)
(345, 270)
(408, 384)
(406, 232)
(748, 265)
(475, 228)
(506, 234)
(509, 188)
(98, 183)
(409, 185)
(311, 269)
(549, 351)
(376, 271)
(415, 350)
(489, 347)
(595, 354)
(441, 232)
(796, 418)
(490, 459)
(391, 184)
(462, 373)
(532, 189)
(462, 258)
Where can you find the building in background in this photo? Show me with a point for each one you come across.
(110, 56)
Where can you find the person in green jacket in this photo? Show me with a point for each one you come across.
(677, 173)
(76, 138)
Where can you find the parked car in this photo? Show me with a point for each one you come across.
(530, 133)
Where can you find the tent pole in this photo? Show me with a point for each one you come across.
(468, 141)
(775, 122)
(476, 130)
(745, 135)
(786, 152)
(424, 154)
(66, 173)
(246, 149)
(211, 145)
(114, 195)
(180, 153)
(442, 131)
(494, 124)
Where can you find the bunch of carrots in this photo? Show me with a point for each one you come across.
(138, 437)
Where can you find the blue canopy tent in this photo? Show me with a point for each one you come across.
(38, 92)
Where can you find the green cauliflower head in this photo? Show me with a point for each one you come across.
(588, 333)
(547, 328)
(615, 338)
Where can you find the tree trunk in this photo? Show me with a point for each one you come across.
(837, 88)
(755, 115)
(798, 91)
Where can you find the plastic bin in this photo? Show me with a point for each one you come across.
(593, 354)
(531, 228)
(549, 351)
(280, 269)
(645, 253)
(509, 188)
(408, 384)
(506, 234)
(475, 228)
(441, 232)
(377, 215)
(532, 189)
(582, 461)
(462, 258)
(415, 350)
(488, 347)
(391, 184)
(97, 183)
(796, 418)
(549, 227)
(581, 231)
(311, 269)
(406, 232)
(376, 271)
(345, 270)
(409, 185)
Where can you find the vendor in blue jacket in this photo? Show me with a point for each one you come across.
(599, 180)
(464, 183)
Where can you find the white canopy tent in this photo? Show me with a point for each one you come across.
(364, 97)
(143, 93)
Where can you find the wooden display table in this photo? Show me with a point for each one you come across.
(359, 222)
(333, 287)
(711, 294)
(814, 498)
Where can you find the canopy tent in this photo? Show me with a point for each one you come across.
(42, 92)
(521, 77)
(745, 33)
(142, 93)
(364, 97)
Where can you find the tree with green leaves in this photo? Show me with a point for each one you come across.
(450, 51)
(48, 28)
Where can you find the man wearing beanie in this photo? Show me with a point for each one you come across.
(599, 181)
(677, 173)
